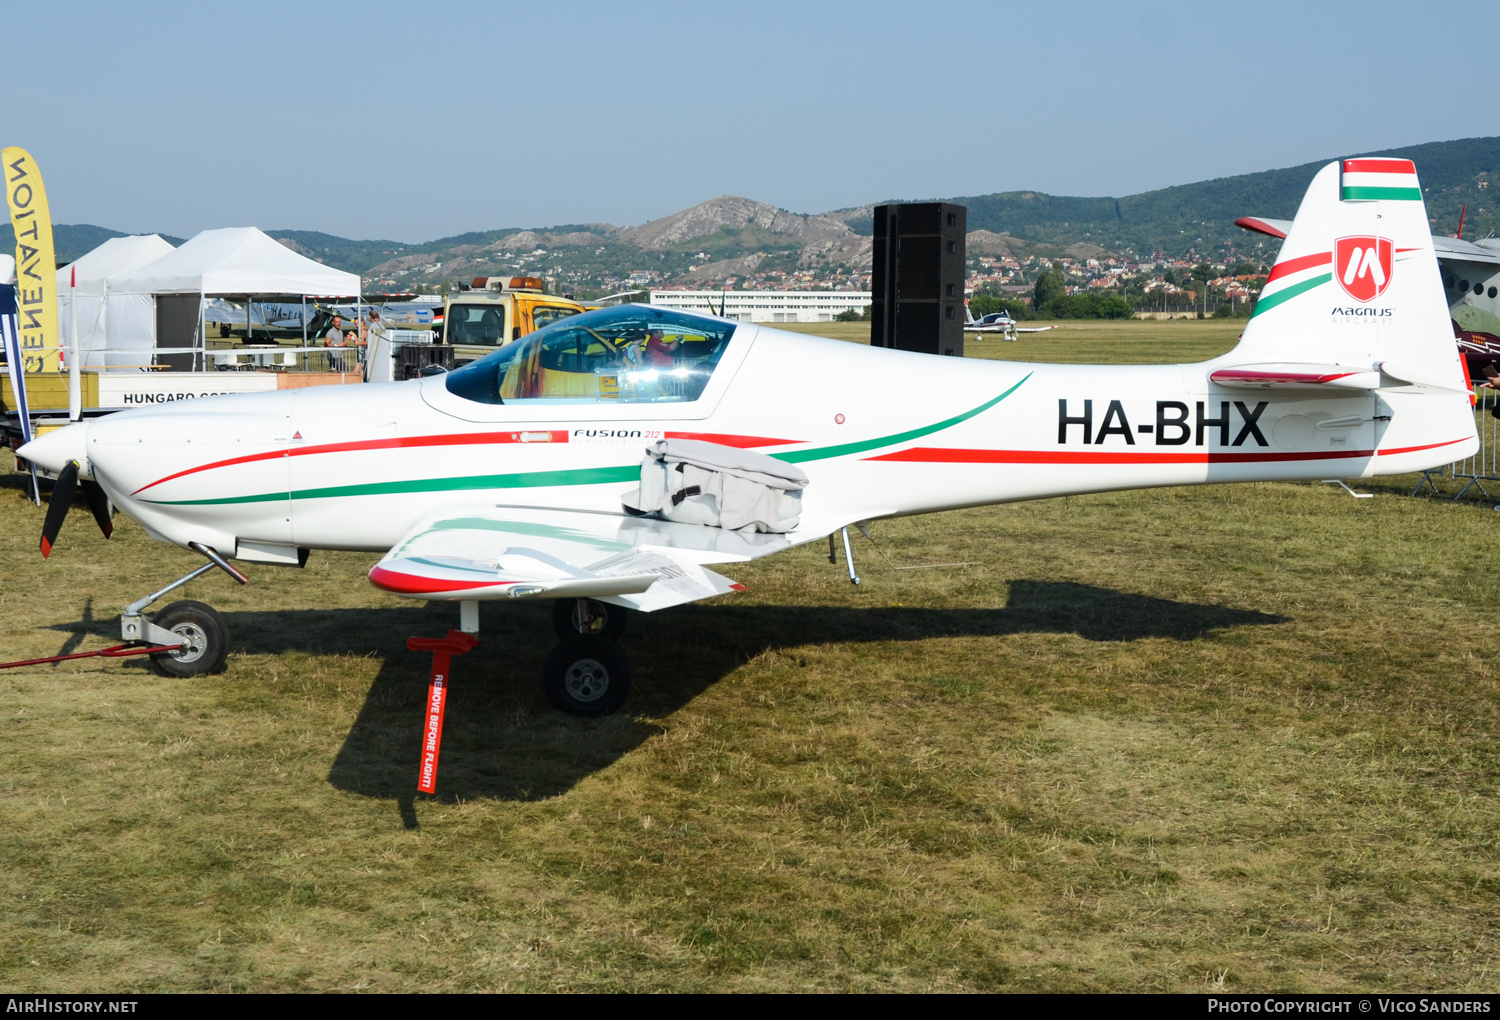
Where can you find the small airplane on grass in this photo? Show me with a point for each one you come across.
(609, 460)
(998, 322)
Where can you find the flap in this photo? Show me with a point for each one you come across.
(1289, 376)
(494, 552)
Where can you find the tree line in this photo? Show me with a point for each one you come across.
(1050, 298)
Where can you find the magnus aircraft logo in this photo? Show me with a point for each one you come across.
(1362, 266)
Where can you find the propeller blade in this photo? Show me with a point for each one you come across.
(57, 507)
(99, 504)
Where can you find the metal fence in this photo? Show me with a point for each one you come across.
(217, 356)
(1484, 465)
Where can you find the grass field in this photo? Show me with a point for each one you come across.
(1229, 737)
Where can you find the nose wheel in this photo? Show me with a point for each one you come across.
(204, 637)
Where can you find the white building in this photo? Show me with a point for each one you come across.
(767, 305)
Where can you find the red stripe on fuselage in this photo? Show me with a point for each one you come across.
(1416, 449)
(413, 584)
(1298, 264)
(936, 455)
(940, 455)
(726, 439)
(470, 439)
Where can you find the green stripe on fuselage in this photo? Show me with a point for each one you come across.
(577, 476)
(825, 452)
(522, 480)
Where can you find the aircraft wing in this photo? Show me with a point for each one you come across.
(497, 552)
(1033, 329)
(1487, 250)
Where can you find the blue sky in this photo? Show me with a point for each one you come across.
(411, 121)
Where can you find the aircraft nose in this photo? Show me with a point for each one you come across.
(53, 450)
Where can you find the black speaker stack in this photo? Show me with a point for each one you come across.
(918, 280)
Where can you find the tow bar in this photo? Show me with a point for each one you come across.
(112, 652)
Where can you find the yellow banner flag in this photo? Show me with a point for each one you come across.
(36, 265)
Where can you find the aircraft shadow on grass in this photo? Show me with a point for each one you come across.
(501, 739)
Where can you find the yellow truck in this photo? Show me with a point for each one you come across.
(495, 310)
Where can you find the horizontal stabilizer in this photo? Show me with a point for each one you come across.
(1284, 376)
(1263, 225)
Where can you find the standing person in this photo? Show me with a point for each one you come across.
(373, 332)
(335, 337)
(372, 336)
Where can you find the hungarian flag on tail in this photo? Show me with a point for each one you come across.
(1371, 180)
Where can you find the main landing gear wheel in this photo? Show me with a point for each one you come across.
(573, 618)
(206, 637)
(586, 676)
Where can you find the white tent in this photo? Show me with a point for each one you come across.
(239, 261)
(107, 318)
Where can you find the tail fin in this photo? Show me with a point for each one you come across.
(968, 315)
(1357, 281)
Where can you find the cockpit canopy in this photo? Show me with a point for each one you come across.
(627, 354)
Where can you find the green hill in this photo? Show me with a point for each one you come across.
(1199, 218)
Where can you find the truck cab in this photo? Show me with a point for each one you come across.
(495, 311)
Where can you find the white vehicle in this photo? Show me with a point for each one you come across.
(998, 322)
(610, 459)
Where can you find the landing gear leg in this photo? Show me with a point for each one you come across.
(572, 618)
(849, 556)
(197, 630)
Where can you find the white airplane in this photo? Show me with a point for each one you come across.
(998, 322)
(521, 476)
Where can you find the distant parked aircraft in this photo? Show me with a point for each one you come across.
(998, 322)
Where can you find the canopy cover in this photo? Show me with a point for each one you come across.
(235, 260)
(114, 257)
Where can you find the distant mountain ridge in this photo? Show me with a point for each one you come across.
(1201, 216)
(732, 236)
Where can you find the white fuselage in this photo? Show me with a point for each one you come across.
(879, 432)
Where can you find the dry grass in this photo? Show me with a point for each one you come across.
(1132, 342)
(1226, 736)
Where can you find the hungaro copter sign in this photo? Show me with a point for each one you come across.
(36, 264)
